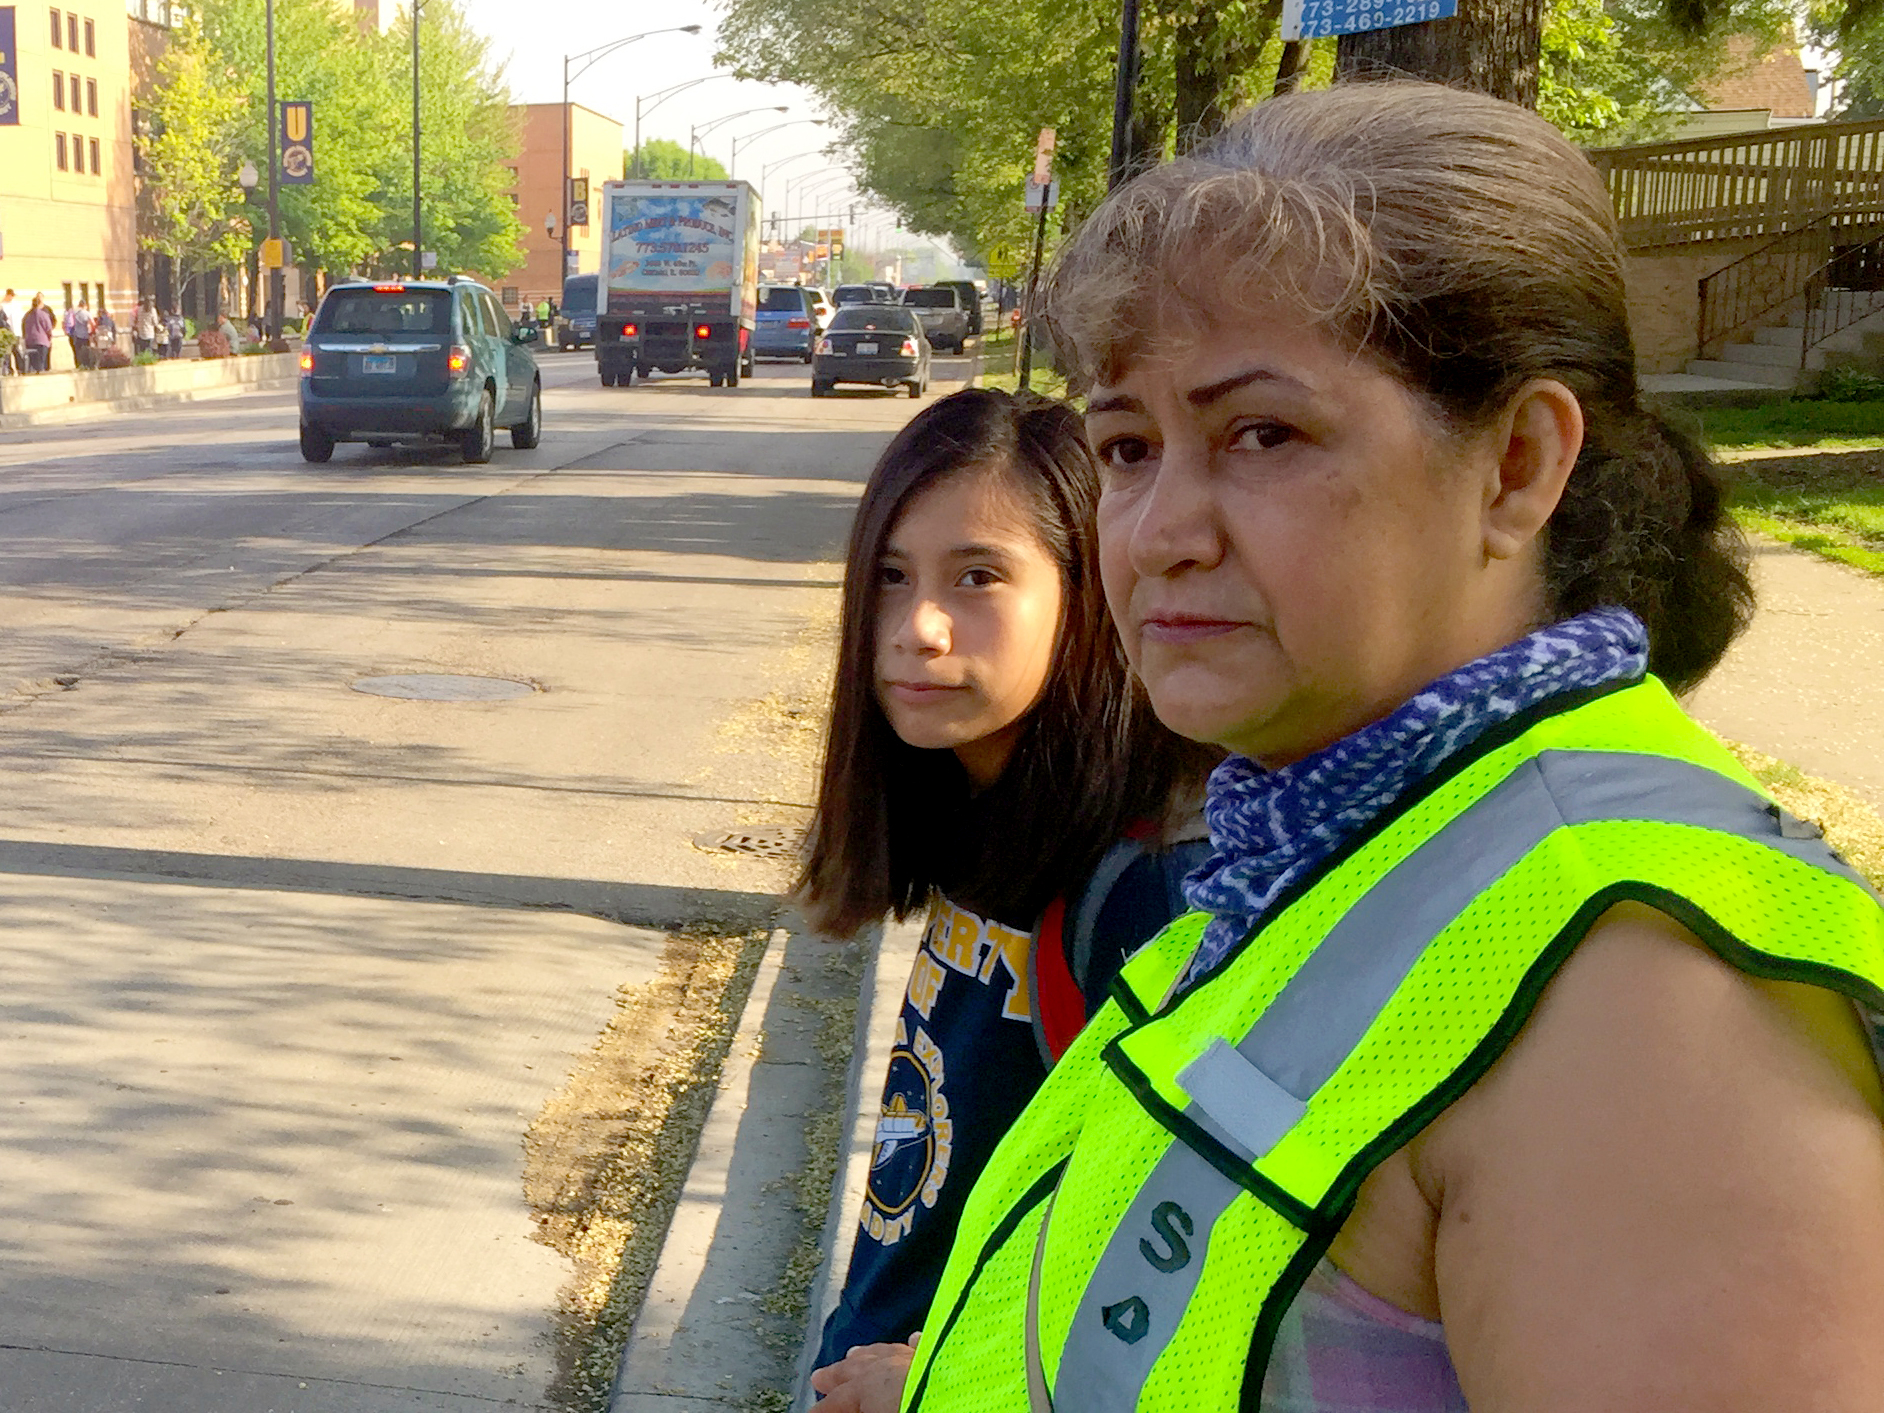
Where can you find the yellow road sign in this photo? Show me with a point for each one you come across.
(274, 254)
(1004, 261)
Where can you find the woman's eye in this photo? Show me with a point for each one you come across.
(980, 578)
(1125, 451)
(889, 574)
(1264, 435)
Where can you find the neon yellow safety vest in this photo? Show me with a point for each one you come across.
(1138, 1235)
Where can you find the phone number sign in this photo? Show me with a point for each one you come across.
(1314, 19)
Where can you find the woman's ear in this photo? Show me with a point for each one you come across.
(1542, 433)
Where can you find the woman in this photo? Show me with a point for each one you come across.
(1513, 1060)
(989, 760)
(36, 335)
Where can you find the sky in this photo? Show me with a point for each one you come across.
(533, 37)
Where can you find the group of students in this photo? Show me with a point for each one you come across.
(89, 334)
(1350, 983)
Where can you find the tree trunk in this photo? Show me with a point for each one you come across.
(1490, 47)
(1200, 82)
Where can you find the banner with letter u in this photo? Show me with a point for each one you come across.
(297, 144)
(9, 71)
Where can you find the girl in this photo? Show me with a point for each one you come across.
(991, 759)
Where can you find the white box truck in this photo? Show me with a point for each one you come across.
(679, 286)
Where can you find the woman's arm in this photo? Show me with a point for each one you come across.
(1668, 1195)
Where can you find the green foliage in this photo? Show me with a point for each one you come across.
(208, 115)
(665, 160)
(146, 358)
(1850, 385)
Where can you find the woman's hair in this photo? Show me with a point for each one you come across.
(1461, 241)
(895, 821)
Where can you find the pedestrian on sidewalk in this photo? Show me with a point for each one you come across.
(13, 315)
(144, 327)
(78, 333)
(174, 331)
(104, 333)
(1521, 1045)
(989, 761)
(36, 335)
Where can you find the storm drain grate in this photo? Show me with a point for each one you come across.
(443, 687)
(761, 841)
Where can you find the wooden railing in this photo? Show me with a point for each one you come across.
(1747, 186)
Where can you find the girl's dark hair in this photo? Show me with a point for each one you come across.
(894, 821)
(1465, 244)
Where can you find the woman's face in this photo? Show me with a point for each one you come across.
(1290, 546)
(968, 616)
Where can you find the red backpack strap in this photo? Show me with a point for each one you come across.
(1059, 1008)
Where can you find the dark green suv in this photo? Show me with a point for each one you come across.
(417, 361)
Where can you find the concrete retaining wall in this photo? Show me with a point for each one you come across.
(147, 386)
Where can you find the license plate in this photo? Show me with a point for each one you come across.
(866, 348)
(379, 363)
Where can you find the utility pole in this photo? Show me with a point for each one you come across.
(1040, 197)
(273, 317)
(1124, 81)
(418, 233)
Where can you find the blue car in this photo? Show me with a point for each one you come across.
(417, 361)
(577, 328)
(787, 323)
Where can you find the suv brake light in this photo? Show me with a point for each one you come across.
(629, 331)
(909, 348)
(703, 331)
(797, 323)
(459, 360)
(307, 362)
(389, 289)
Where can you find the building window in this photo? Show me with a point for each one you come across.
(58, 151)
(91, 97)
(91, 41)
(58, 31)
(67, 287)
(58, 90)
(98, 296)
(71, 32)
(96, 169)
(510, 296)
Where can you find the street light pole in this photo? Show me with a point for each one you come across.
(1123, 83)
(694, 134)
(655, 100)
(732, 168)
(418, 233)
(593, 56)
(273, 320)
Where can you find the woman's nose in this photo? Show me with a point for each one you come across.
(1174, 526)
(926, 629)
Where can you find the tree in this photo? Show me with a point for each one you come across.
(665, 160)
(190, 152)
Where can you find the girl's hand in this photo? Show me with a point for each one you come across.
(869, 1379)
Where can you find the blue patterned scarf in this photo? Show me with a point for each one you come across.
(1269, 827)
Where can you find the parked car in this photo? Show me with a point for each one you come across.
(424, 361)
(848, 295)
(872, 343)
(786, 325)
(575, 325)
(943, 318)
(971, 301)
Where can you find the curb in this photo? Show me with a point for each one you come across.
(107, 408)
(881, 995)
(704, 1338)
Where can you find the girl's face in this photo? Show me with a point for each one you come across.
(1290, 547)
(968, 617)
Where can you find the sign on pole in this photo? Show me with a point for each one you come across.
(9, 72)
(1004, 261)
(1316, 19)
(274, 253)
(578, 201)
(1043, 157)
(1042, 196)
(297, 144)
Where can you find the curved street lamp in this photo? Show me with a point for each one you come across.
(649, 102)
(588, 59)
(696, 133)
(748, 139)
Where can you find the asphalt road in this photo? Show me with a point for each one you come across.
(290, 967)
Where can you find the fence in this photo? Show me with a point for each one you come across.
(1748, 186)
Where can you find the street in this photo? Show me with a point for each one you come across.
(293, 967)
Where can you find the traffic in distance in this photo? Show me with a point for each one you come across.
(432, 362)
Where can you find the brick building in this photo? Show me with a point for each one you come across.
(68, 203)
(595, 152)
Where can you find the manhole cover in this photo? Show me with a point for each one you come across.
(765, 841)
(443, 687)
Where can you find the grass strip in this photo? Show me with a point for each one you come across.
(1829, 503)
(1795, 422)
(998, 367)
(1851, 826)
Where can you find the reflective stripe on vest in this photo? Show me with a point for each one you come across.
(1249, 1095)
(1203, 1142)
